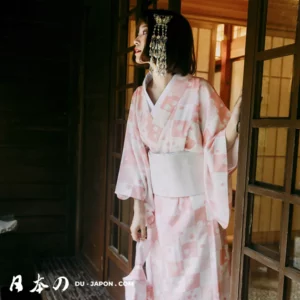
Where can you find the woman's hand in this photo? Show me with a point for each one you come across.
(138, 225)
(235, 115)
(233, 124)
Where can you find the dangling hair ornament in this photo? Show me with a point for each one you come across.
(158, 43)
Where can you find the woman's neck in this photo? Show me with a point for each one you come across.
(160, 82)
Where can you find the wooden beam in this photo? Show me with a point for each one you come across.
(273, 122)
(269, 262)
(226, 69)
(267, 190)
(276, 52)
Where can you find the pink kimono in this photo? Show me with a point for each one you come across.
(175, 159)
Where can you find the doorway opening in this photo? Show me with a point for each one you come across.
(259, 54)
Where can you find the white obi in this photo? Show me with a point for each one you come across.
(177, 174)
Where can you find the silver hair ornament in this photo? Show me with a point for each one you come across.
(158, 42)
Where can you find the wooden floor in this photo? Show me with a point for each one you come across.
(75, 271)
(6, 294)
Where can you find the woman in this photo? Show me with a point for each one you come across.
(180, 146)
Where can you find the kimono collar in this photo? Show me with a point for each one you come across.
(147, 80)
(161, 111)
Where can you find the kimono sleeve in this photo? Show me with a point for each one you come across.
(132, 179)
(219, 162)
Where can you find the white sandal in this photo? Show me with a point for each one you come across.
(6, 226)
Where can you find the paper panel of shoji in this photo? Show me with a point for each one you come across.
(271, 155)
(236, 81)
(217, 82)
(238, 31)
(202, 44)
(277, 80)
(266, 222)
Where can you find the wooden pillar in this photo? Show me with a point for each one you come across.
(175, 5)
(226, 65)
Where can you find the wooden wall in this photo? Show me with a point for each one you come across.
(97, 68)
(38, 129)
(54, 96)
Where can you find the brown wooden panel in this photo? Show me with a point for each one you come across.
(34, 156)
(46, 224)
(33, 96)
(27, 33)
(27, 69)
(115, 275)
(38, 111)
(230, 9)
(275, 122)
(38, 207)
(32, 191)
(13, 137)
(226, 66)
(241, 206)
(46, 244)
(36, 11)
(38, 121)
(41, 35)
(282, 14)
(97, 67)
(27, 174)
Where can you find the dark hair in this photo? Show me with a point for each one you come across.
(180, 45)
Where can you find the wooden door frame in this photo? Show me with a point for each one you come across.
(244, 153)
(139, 74)
(256, 22)
(111, 167)
(80, 136)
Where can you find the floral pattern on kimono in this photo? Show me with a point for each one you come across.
(188, 257)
